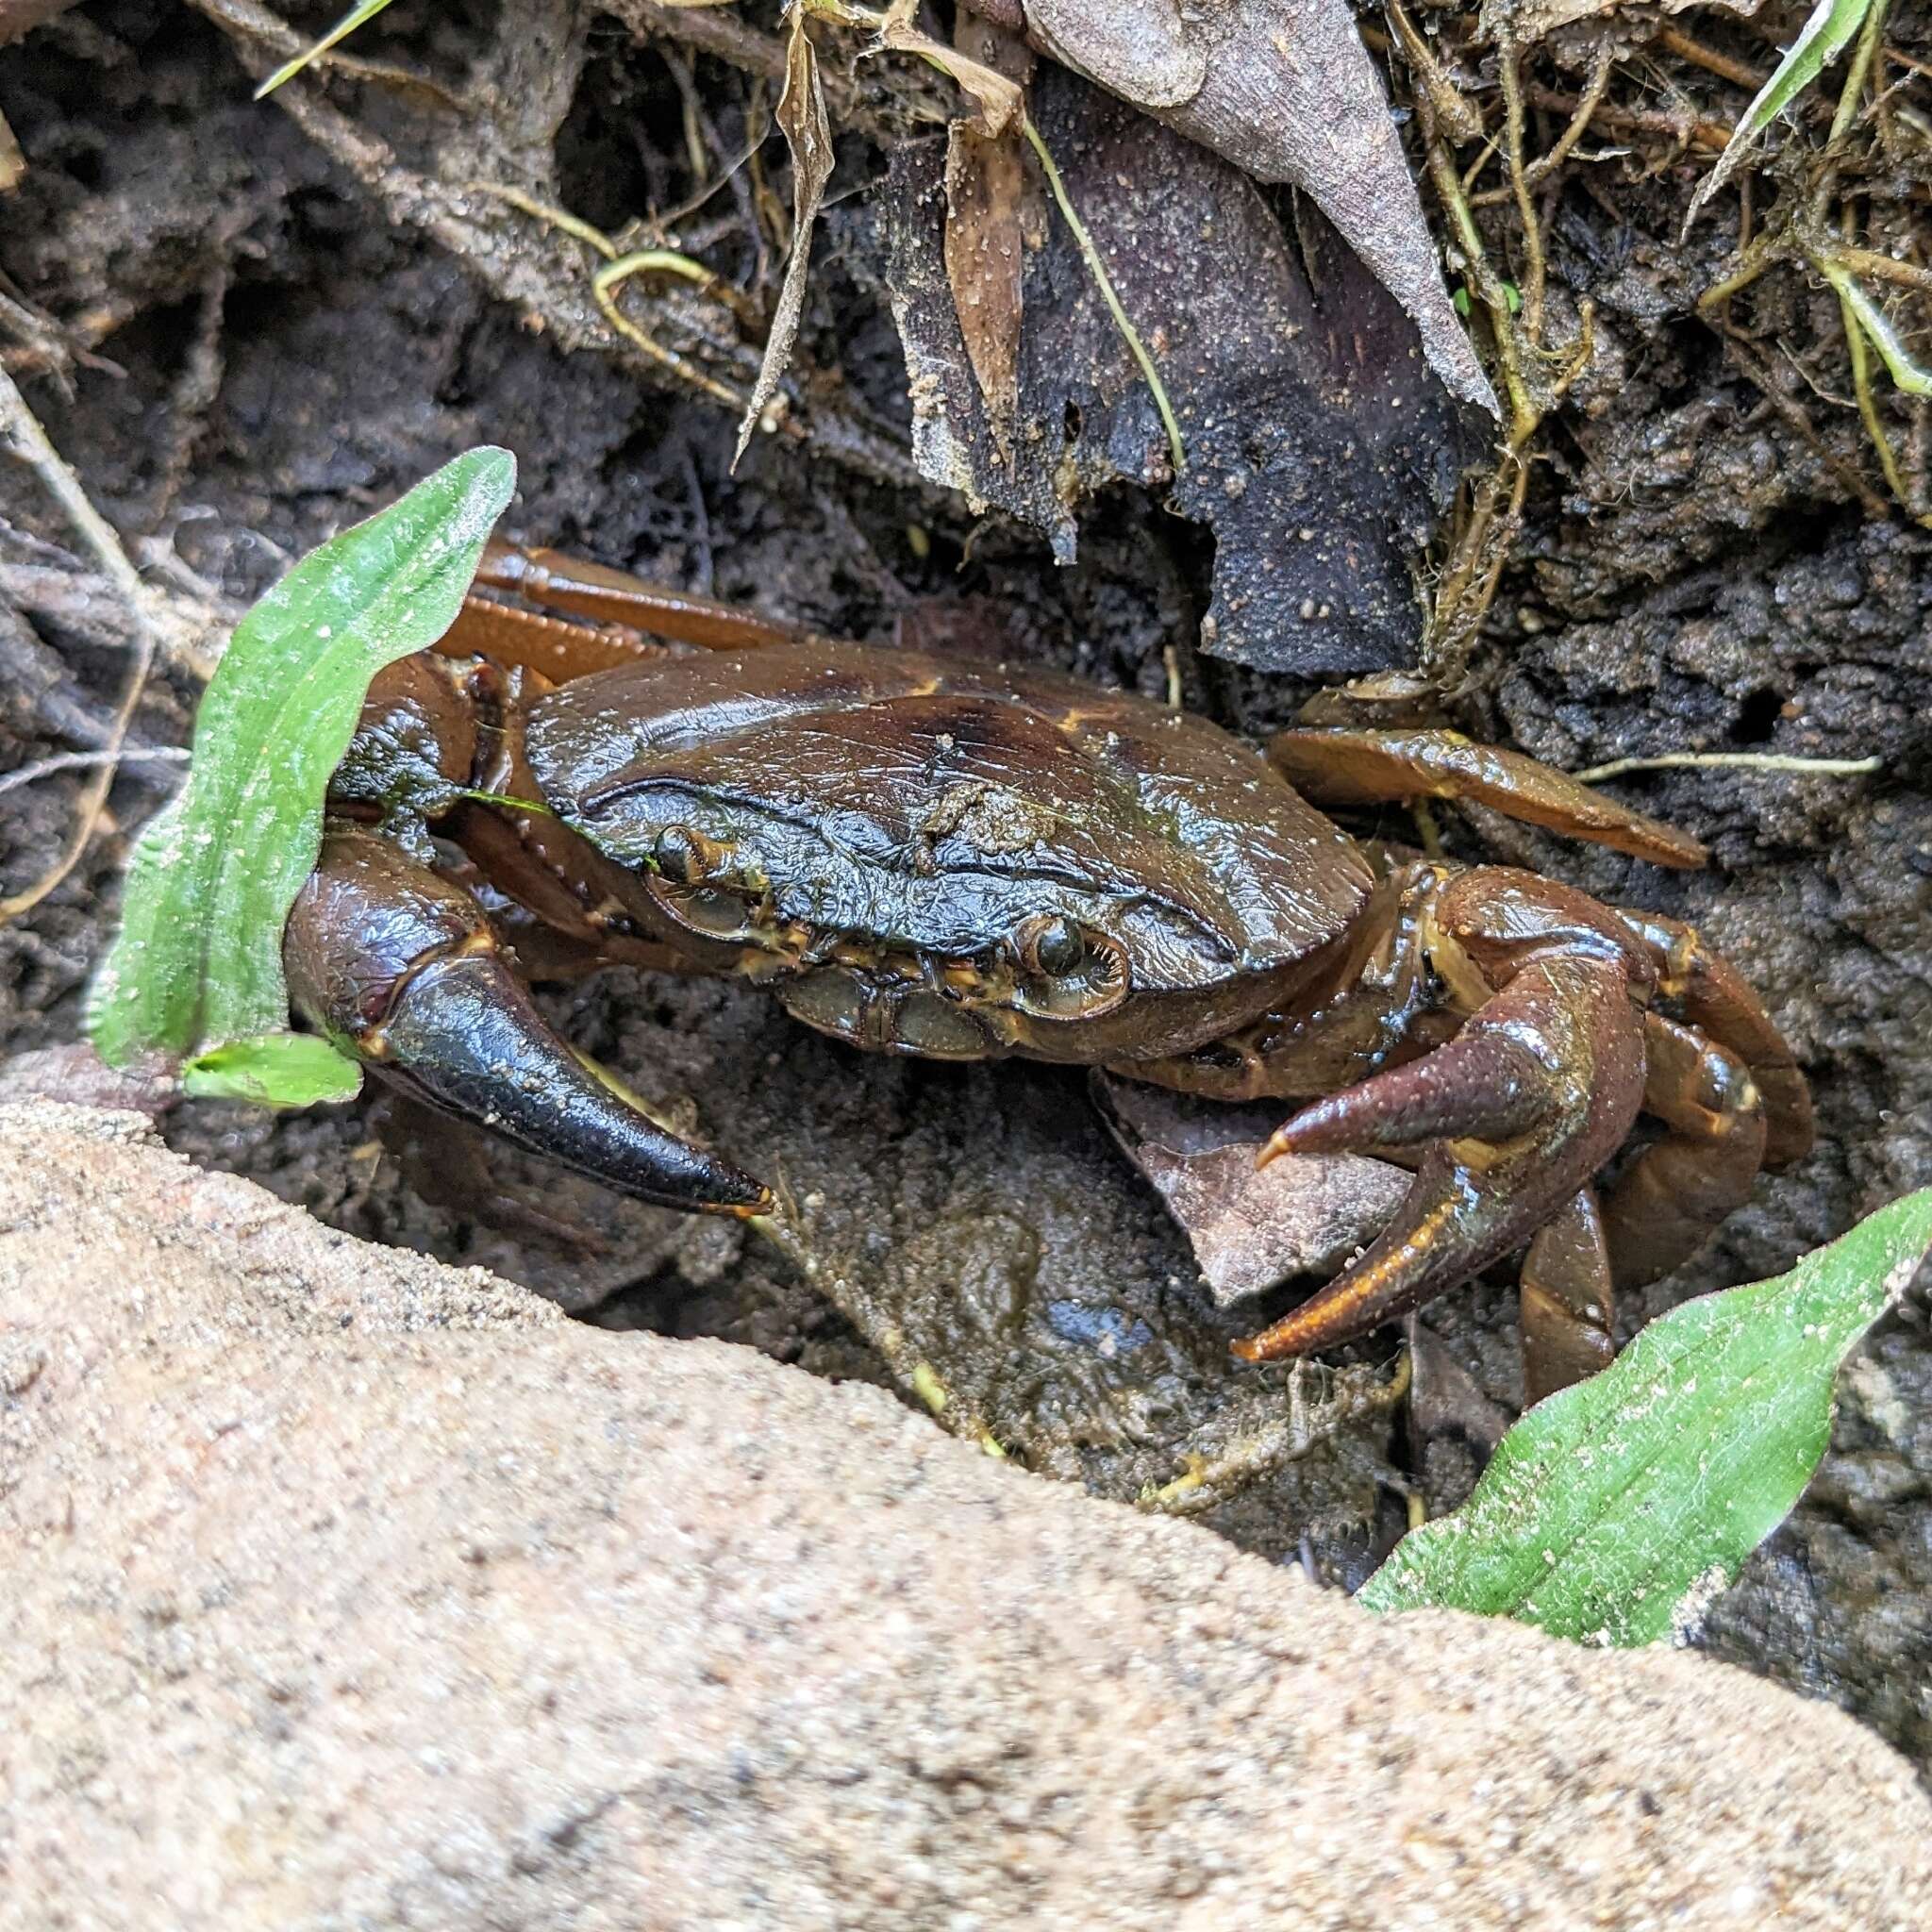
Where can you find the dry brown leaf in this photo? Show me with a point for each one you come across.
(1251, 1228)
(809, 134)
(986, 184)
(988, 198)
(1321, 448)
(1284, 89)
(999, 100)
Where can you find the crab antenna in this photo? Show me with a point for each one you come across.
(402, 968)
(1474, 1200)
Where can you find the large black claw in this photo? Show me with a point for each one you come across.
(1476, 1198)
(464, 1036)
(401, 968)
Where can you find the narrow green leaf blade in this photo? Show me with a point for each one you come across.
(1911, 375)
(355, 16)
(1822, 39)
(273, 1070)
(1612, 1511)
(198, 961)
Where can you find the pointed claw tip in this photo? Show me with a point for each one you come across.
(1260, 1348)
(1272, 1149)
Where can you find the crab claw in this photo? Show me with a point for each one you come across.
(402, 969)
(1521, 1108)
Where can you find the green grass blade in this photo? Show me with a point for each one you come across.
(355, 17)
(1823, 38)
(198, 961)
(1911, 375)
(1611, 1511)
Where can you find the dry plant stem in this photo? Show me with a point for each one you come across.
(1482, 280)
(24, 437)
(658, 261)
(1741, 761)
(1475, 563)
(1738, 72)
(1566, 142)
(1455, 117)
(619, 268)
(1507, 64)
(1209, 1480)
(1712, 136)
(1882, 268)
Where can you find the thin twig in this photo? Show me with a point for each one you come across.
(1882, 268)
(1745, 760)
(1738, 72)
(90, 760)
(1585, 110)
(21, 434)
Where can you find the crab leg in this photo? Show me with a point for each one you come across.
(404, 971)
(1536, 1092)
(1344, 767)
(1718, 1001)
(1663, 1209)
(1568, 1304)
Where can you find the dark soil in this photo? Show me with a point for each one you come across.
(277, 340)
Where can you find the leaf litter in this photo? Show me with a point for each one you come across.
(1320, 448)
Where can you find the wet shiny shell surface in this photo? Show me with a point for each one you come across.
(911, 803)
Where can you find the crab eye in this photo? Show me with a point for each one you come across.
(1067, 973)
(678, 856)
(1055, 946)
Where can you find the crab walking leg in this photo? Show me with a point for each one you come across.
(558, 582)
(1664, 1207)
(1344, 767)
(1718, 1001)
(403, 969)
(1524, 1105)
(1568, 1306)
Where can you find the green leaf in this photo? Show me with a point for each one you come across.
(355, 16)
(198, 961)
(1911, 375)
(273, 1070)
(1614, 1510)
(1821, 41)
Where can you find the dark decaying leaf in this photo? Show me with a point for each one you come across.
(809, 135)
(1251, 1228)
(1284, 89)
(1320, 448)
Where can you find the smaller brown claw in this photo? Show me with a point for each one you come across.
(402, 969)
(1534, 1093)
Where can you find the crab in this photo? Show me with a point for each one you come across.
(959, 860)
